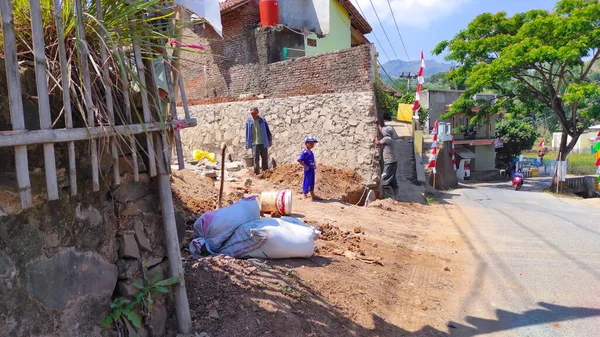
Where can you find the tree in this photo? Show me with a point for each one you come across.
(518, 135)
(535, 59)
(423, 113)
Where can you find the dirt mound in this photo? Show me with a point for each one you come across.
(331, 183)
(338, 239)
(193, 193)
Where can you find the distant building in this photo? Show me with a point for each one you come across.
(480, 144)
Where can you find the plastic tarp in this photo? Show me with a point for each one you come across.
(405, 112)
(207, 9)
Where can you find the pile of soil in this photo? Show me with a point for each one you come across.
(331, 183)
(338, 239)
(194, 193)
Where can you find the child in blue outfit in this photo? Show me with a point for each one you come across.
(307, 160)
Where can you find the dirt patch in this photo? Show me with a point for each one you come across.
(194, 193)
(331, 183)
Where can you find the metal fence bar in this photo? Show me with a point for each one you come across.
(15, 99)
(153, 87)
(107, 83)
(43, 97)
(182, 307)
(184, 102)
(64, 69)
(89, 104)
(173, 104)
(23, 138)
(145, 105)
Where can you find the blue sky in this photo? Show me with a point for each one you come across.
(424, 23)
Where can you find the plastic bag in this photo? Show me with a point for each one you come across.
(215, 227)
(199, 155)
(273, 239)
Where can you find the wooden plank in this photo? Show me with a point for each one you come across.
(64, 69)
(39, 55)
(65, 135)
(89, 104)
(107, 83)
(184, 102)
(15, 101)
(182, 307)
(172, 95)
(145, 106)
(126, 99)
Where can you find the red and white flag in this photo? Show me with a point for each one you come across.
(421, 80)
(542, 143)
(432, 159)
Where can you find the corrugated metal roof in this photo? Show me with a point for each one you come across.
(230, 4)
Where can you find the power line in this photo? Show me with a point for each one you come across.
(382, 49)
(385, 71)
(384, 32)
(398, 30)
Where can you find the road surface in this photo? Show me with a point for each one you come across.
(535, 263)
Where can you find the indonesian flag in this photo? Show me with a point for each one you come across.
(432, 159)
(421, 80)
(542, 143)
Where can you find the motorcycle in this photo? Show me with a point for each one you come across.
(517, 181)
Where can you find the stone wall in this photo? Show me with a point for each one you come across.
(61, 262)
(344, 124)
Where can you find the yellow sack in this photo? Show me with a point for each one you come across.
(199, 155)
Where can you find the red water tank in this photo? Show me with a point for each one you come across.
(269, 13)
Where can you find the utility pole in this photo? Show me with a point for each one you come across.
(408, 77)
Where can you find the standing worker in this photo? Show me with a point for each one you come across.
(390, 162)
(259, 139)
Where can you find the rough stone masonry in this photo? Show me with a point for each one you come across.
(343, 123)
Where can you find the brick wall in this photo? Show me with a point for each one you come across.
(238, 64)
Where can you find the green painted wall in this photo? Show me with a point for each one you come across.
(339, 38)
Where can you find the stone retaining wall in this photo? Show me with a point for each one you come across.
(343, 123)
(62, 261)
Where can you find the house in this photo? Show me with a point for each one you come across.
(479, 146)
(312, 74)
(307, 28)
(329, 25)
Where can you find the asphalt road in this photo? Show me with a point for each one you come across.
(534, 263)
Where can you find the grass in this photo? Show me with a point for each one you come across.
(578, 163)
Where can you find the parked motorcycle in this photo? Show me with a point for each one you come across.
(517, 181)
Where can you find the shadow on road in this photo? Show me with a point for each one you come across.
(506, 320)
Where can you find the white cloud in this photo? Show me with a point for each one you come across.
(409, 13)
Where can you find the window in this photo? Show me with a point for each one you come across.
(311, 42)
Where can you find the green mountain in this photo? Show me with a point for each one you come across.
(395, 68)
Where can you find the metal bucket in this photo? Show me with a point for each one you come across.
(249, 161)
